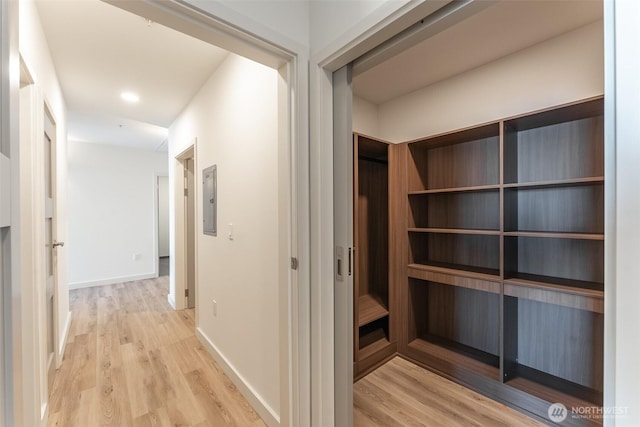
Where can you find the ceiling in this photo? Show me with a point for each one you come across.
(497, 31)
(100, 51)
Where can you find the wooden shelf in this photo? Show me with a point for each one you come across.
(579, 287)
(455, 231)
(370, 308)
(557, 183)
(455, 190)
(468, 280)
(448, 360)
(547, 235)
(459, 270)
(376, 346)
(583, 299)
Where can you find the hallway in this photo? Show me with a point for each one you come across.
(133, 361)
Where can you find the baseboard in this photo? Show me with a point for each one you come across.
(268, 415)
(63, 341)
(111, 281)
(171, 301)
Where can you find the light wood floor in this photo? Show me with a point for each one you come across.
(402, 394)
(133, 361)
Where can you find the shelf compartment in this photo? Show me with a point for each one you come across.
(470, 280)
(373, 336)
(577, 209)
(477, 210)
(370, 308)
(463, 252)
(574, 263)
(565, 143)
(457, 325)
(467, 158)
(537, 351)
(449, 361)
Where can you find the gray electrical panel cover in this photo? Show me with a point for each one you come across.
(210, 201)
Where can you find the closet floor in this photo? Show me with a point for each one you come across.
(400, 393)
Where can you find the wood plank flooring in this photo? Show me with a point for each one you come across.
(133, 361)
(402, 394)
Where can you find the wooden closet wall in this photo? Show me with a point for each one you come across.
(481, 253)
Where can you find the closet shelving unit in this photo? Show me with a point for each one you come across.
(374, 333)
(454, 251)
(502, 228)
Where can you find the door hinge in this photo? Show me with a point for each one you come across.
(186, 192)
(294, 263)
(350, 251)
(186, 292)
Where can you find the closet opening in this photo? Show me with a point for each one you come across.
(478, 215)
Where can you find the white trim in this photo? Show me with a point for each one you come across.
(268, 415)
(111, 281)
(171, 301)
(177, 261)
(63, 341)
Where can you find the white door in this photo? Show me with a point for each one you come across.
(49, 150)
(343, 241)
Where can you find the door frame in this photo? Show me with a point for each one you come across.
(225, 28)
(178, 270)
(387, 29)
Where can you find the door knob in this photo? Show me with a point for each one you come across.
(56, 244)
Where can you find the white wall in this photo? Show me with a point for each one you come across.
(622, 278)
(560, 70)
(234, 118)
(365, 117)
(111, 213)
(163, 215)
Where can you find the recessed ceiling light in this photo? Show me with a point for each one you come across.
(130, 97)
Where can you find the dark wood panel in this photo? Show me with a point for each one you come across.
(450, 362)
(567, 113)
(372, 246)
(573, 209)
(466, 164)
(398, 241)
(564, 342)
(577, 260)
(558, 151)
(465, 316)
(465, 251)
(472, 210)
